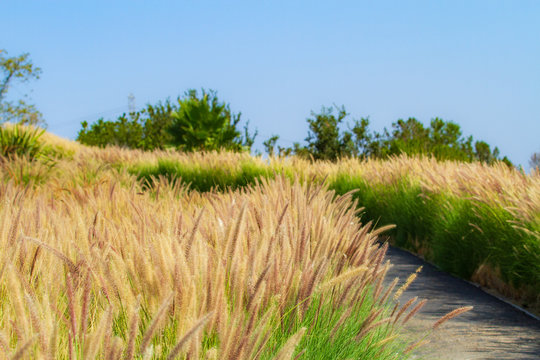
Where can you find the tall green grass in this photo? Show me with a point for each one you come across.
(332, 332)
(463, 236)
(402, 203)
(200, 178)
(475, 240)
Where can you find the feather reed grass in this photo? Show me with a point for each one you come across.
(240, 279)
(98, 264)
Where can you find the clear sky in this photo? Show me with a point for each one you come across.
(474, 62)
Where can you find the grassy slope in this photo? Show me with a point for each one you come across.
(478, 222)
(94, 266)
(475, 221)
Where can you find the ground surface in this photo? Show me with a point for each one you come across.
(492, 330)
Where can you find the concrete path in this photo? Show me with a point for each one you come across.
(492, 330)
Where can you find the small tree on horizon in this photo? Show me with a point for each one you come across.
(441, 139)
(144, 129)
(205, 123)
(18, 68)
(534, 161)
(191, 123)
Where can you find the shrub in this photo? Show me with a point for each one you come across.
(442, 139)
(21, 141)
(205, 123)
(191, 124)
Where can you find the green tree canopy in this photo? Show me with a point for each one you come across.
(324, 140)
(205, 123)
(192, 123)
(17, 69)
(534, 161)
(145, 129)
(443, 140)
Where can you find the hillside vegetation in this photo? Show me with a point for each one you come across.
(115, 253)
(478, 221)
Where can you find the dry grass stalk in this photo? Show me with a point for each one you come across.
(415, 310)
(404, 308)
(407, 283)
(92, 347)
(154, 324)
(450, 315)
(132, 335)
(174, 352)
(85, 306)
(349, 275)
(340, 322)
(388, 291)
(415, 345)
(263, 250)
(21, 352)
(36, 322)
(287, 350)
(71, 304)
(4, 344)
(372, 326)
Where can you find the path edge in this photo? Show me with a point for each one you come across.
(478, 286)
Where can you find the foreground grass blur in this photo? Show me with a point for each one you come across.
(275, 270)
(109, 253)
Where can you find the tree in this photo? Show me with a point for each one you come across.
(363, 139)
(409, 137)
(535, 160)
(17, 68)
(483, 152)
(271, 150)
(157, 120)
(127, 132)
(190, 124)
(145, 129)
(442, 140)
(446, 141)
(205, 123)
(325, 141)
(270, 145)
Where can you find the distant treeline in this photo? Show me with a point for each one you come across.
(202, 122)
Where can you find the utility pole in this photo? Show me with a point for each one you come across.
(131, 103)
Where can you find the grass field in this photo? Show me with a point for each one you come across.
(111, 253)
(476, 221)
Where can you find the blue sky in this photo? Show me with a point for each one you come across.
(474, 62)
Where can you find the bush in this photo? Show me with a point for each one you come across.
(205, 123)
(145, 129)
(192, 124)
(21, 141)
(24, 156)
(200, 178)
(442, 140)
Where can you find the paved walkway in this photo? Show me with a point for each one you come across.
(492, 330)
